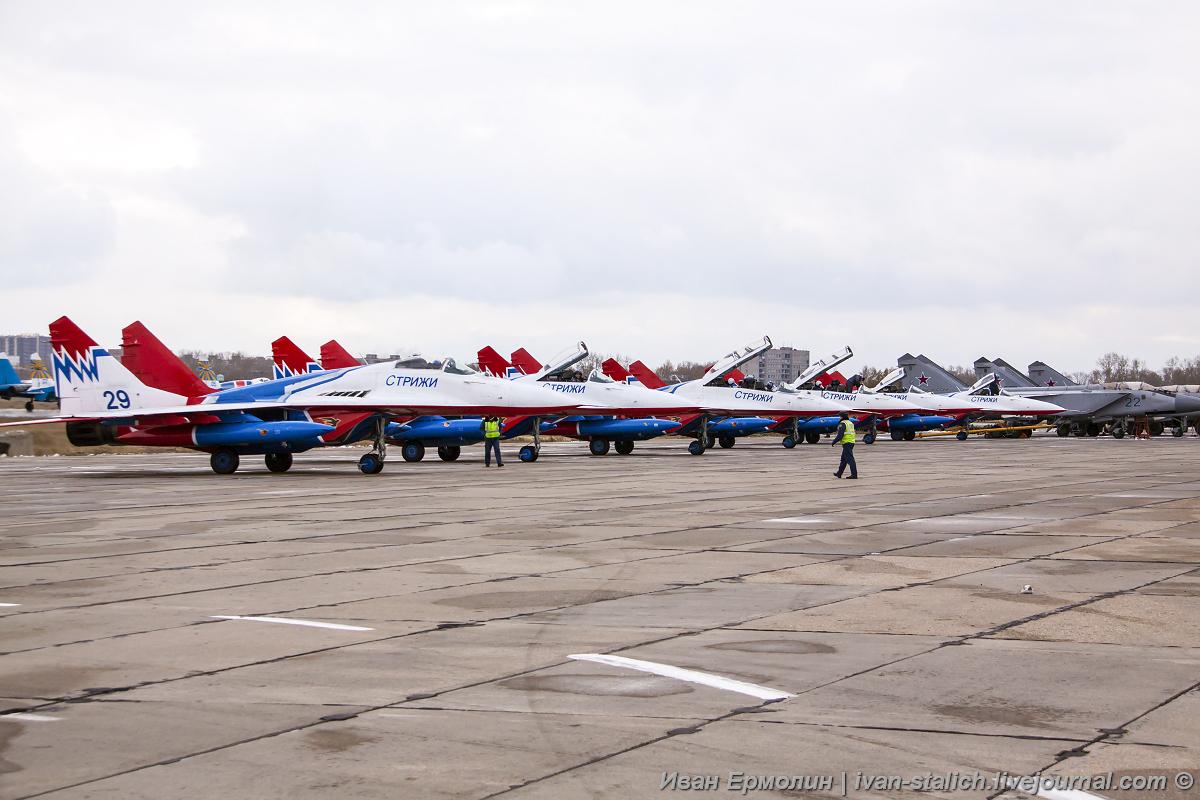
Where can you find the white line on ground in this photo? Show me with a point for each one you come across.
(9, 605)
(689, 675)
(1068, 794)
(285, 621)
(801, 520)
(32, 717)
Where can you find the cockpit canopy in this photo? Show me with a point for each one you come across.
(448, 365)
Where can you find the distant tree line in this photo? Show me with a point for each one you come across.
(230, 366)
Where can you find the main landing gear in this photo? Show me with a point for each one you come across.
(372, 462)
(702, 442)
(795, 437)
(279, 462)
(449, 452)
(412, 451)
(224, 461)
(530, 452)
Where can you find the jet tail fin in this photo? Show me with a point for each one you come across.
(8, 373)
(922, 373)
(493, 363)
(1045, 375)
(87, 378)
(153, 363)
(613, 369)
(648, 377)
(334, 356)
(290, 359)
(523, 360)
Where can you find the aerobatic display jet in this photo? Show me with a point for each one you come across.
(102, 402)
(39, 387)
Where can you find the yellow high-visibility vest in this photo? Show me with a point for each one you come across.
(491, 429)
(848, 433)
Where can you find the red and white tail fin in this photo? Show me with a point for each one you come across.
(334, 356)
(523, 360)
(648, 377)
(153, 363)
(613, 369)
(88, 379)
(290, 359)
(493, 363)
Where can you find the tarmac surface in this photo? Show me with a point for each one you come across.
(849, 629)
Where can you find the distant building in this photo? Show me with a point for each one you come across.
(22, 346)
(778, 365)
(375, 358)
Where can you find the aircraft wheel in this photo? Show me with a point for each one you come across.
(6, 395)
(279, 462)
(449, 452)
(1156, 428)
(696, 448)
(29, 406)
(1118, 432)
(224, 461)
(812, 437)
(711, 443)
(726, 441)
(1024, 434)
(624, 447)
(1063, 430)
(961, 436)
(1093, 429)
(370, 464)
(869, 438)
(897, 436)
(910, 435)
(598, 447)
(528, 454)
(1080, 430)
(1179, 431)
(789, 442)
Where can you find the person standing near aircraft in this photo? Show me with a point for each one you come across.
(491, 441)
(845, 437)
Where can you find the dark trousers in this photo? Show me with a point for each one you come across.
(488, 446)
(848, 461)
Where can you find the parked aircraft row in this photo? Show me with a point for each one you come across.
(151, 398)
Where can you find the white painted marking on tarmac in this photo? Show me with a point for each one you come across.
(689, 675)
(801, 520)
(9, 605)
(32, 717)
(287, 621)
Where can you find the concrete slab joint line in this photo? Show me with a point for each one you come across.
(689, 675)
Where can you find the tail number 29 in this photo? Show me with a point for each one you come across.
(117, 399)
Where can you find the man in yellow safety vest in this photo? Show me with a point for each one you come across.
(845, 437)
(491, 441)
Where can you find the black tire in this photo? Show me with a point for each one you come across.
(896, 436)
(961, 436)
(412, 451)
(1118, 432)
(598, 447)
(1178, 431)
(449, 452)
(6, 394)
(29, 406)
(1080, 430)
(1063, 430)
(726, 441)
(528, 454)
(696, 448)
(370, 464)
(789, 442)
(910, 435)
(278, 462)
(869, 438)
(624, 447)
(812, 437)
(1093, 429)
(1156, 428)
(224, 461)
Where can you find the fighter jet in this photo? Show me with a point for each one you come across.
(1091, 409)
(104, 403)
(39, 387)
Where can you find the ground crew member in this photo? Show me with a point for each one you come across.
(491, 441)
(845, 437)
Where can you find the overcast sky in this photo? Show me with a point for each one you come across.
(665, 180)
